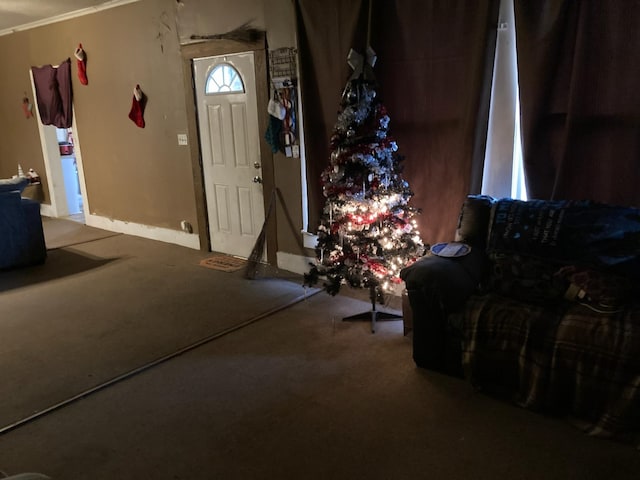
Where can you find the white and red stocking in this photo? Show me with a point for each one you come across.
(81, 61)
(137, 107)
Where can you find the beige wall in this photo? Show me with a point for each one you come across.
(132, 174)
(211, 17)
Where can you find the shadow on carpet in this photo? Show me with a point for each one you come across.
(59, 263)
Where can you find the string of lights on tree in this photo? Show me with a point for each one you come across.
(367, 232)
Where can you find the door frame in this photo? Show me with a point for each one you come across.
(50, 152)
(212, 48)
(230, 144)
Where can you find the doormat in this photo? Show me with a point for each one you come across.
(224, 263)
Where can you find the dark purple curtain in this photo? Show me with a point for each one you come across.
(434, 68)
(53, 94)
(578, 66)
(435, 64)
(327, 30)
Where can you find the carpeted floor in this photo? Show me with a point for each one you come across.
(297, 394)
(98, 310)
(60, 232)
(301, 394)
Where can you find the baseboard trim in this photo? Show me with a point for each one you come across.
(309, 240)
(300, 264)
(46, 210)
(189, 240)
(294, 263)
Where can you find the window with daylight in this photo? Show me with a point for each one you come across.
(503, 174)
(224, 79)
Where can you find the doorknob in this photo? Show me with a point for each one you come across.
(257, 179)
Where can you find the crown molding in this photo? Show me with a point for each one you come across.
(66, 16)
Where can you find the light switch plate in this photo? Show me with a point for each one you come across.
(182, 139)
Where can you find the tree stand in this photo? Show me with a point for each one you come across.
(374, 314)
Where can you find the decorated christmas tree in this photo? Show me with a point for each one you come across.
(367, 232)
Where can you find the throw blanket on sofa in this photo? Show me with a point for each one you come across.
(565, 359)
(571, 232)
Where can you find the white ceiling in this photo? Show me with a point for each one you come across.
(21, 14)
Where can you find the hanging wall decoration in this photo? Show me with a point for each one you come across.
(138, 103)
(282, 131)
(81, 62)
(244, 33)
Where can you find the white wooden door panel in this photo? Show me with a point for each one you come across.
(246, 212)
(239, 134)
(215, 131)
(230, 144)
(223, 220)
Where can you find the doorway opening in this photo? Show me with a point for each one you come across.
(63, 166)
(216, 48)
(71, 179)
(227, 110)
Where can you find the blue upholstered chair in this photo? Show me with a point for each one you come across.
(21, 235)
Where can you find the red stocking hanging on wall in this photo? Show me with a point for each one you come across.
(137, 107)
(81, 62)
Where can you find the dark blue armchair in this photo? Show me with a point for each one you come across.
(21, 235)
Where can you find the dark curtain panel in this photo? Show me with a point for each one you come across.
(578, 66)
(53, 94)
(435, 64)
(326, 31)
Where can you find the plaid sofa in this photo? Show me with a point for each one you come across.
(544, 310)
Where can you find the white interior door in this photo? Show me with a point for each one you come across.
(230, 143)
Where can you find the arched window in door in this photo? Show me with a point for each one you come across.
(224, 78)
